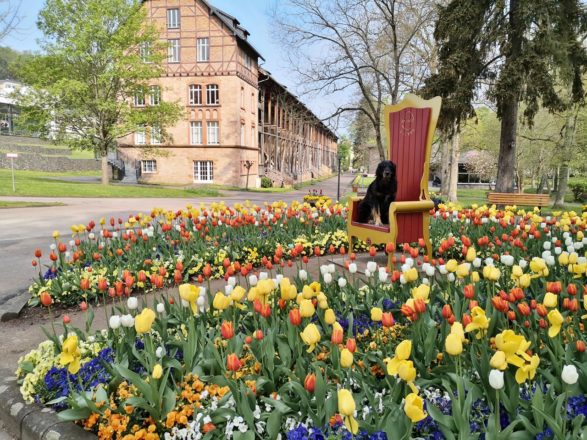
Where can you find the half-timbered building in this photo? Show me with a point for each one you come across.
(212, 69)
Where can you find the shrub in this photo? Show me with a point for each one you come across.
(266, 182)
(579, 189)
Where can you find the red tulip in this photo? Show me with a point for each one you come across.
(295, 317)
(248, 339)
(34, 263)
(38, 253)
(83, 306)
(580, 346)
(46, 299)
(66, 319)
(469, 291)
(419, 305)
(572, 289)
(351, 345)
(259, 335)
(554, 287)
(310, 382)
(467, 320)
(233, 363)
(446, 311)
(524, 309)
(541, 310)
(337, 336)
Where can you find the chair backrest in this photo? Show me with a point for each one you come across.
(410, 128)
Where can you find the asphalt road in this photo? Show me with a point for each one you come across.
(22, 230)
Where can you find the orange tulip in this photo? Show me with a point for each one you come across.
(233, 363)
(227, 330)
(387, 319)
(310, 382)
(46, 299)
(337, 336)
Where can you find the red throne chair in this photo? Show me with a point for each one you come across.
(410, 127)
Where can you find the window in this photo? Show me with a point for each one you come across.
(195, 94)
(212, 95)
(203, 49)
(139, 100)
(195, 133)
(145, 52)
(155, 95)
(248, 61)
(242, 133)
(213, 137)
(242, 97)
(252, 102)
(156, 135)
(173, 18)
(203, 171)
(140, 138)
(173, 51)
(253, 136)
(148, 166)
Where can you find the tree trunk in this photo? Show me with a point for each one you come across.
(542, 184)
(379, 140)
(454, 167)
(555, 180)
(444, 169)
(105, 170)
(568, 144)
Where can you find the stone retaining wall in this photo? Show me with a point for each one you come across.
(6, 147)
(55, 164)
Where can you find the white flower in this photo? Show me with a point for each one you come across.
(231, 281)
(228, 289)
(522, 263)
(263, 275)
(402, 279)
(52, 246)
(546, 254)
(507, 260)
(67, 254)
(253, 280)
(114, 322)
(489, 261)
(127, 321)
(327, 278)
(547, 245)
(160, 308)
(550, 260)
(341, 282)
(201, 301)
(185, 303)
(558, 250)
(353, 268)
(430, 271)
(91, 235)
(410, 261)
(371, 266)
(331, 268)
(160, 352)
(382, 276)
(367, 273)
(442, 269)
(71, 243)
(426, 281)
(275, 283)
(279, 278)
(132, 303)
(303, 275)
(570, 374)
(451, 277)
(496, 379)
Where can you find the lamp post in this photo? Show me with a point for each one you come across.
(339, 157)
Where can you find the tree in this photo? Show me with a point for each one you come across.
(344, 152)
(516, 51)
(99, 55)
(9, 16)
(378, 49)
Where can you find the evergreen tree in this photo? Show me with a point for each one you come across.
(515, 51)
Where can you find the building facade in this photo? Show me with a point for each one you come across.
(212, 70)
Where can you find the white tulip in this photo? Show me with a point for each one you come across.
(367, 273)
(228, 289)
(331, 268)
(507, 260)
(382, 276)
(489, 261)
(372, 266)
(430, 270)
(303, 275)
(160, 352)
(114, 322)
(341, 282)
(185, 303)
(327, 278)
(522, 263)
(451, 277)
(263, 275)
(323, 269)
(547, 245)
(410, 262)
(52, 246)
(160, 308)
(496, 379)
(279, 278)
(426, 281)
(132, 303)
(253, 280)
(402, 279)
(442, 269)
(570, 374)
(550, 261)
(231, 281)
(127, 320)
(201, 301)
(353, 268)
(558, 250)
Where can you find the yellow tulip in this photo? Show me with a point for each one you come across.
(422, 292)
(573, 258)
(514, 347)
(315, 286)
(56, 234)
(451, 265)
(221, 301)
(414, 408)
(524, 281)
(538, 266)
(237, 294)
(411, 274)
(463, 270)
(406, 371)
(556, 321)
(498, 361)
(329, 316)
(70, 354)
(479, 322)
(550, 300)
(403, 350)
(528, 370)
(144, 320)
(310, 336)
(307, 309)
(253, 294)
(288, 290)
(265, 287)
(491, 273)
(307, 292)
(323, 304)
(346, 408)
(457, 329)
(157, 372)
(189, 293)
(517, 271)
(471, 255)
(475, 277)
(376, 314)
(346, 358)
(453, 344)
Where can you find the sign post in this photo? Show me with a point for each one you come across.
(12, 156)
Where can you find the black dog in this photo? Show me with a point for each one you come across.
(374, 208)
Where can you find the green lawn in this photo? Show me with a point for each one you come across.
(39, 184)
(7, 205)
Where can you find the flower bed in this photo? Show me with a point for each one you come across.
(487, 341)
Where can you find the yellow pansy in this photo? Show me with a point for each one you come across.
(70, 354)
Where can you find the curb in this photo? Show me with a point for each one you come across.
(12, 307)
(33, 422)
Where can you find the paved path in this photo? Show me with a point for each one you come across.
(24, 229)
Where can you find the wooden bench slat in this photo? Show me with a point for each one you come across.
(519, 199)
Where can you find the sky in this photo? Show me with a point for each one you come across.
(252, 14)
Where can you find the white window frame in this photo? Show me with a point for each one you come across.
(139, 99)
(201, 167)
(156, 135)
(148, 166)
(173, 18)
(195, 94)
(173, 51)
(203, 50)
(212, 90)
(154, 95)
(145, 51)
(212, 133)
(196, 133)
(141, 136)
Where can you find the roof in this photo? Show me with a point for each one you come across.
(268, 76)
(233, 24)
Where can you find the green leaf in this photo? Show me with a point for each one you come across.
(73, 414)
(274, 425)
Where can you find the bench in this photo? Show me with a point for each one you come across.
(521, 199)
